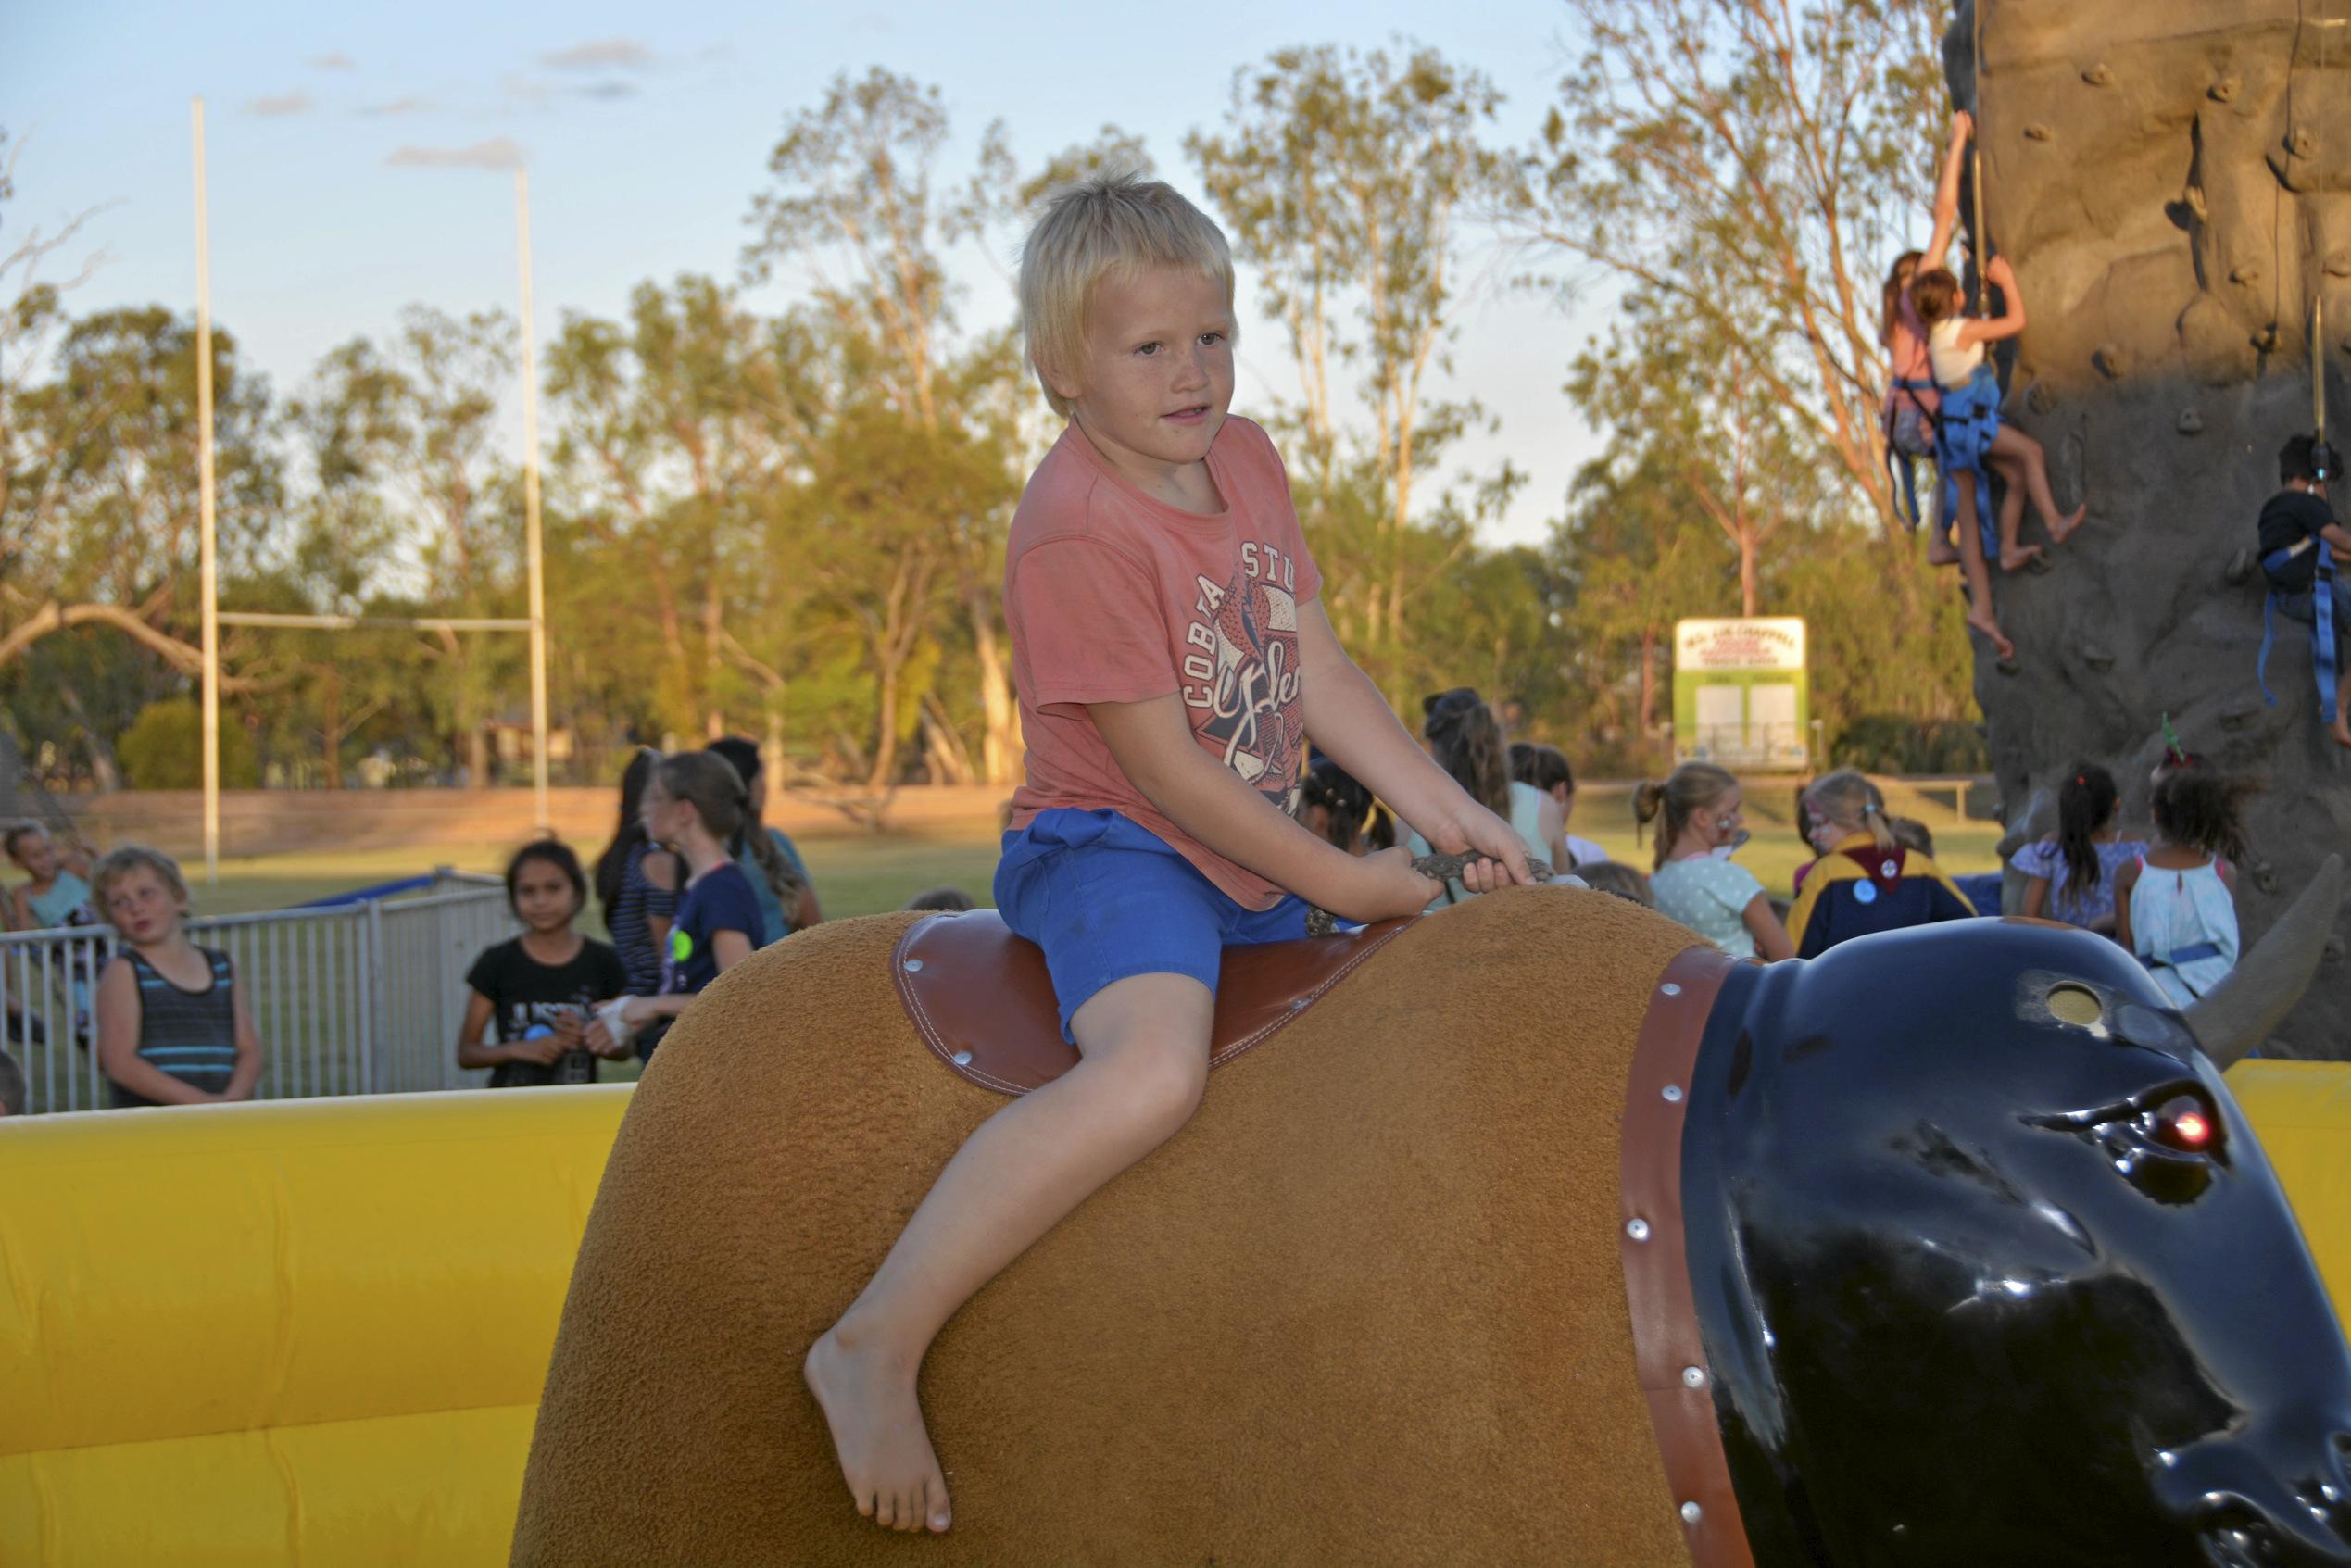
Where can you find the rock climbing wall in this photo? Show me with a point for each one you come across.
(2171, 180)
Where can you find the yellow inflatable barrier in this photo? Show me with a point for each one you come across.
(314, 1332)
(296, 1332)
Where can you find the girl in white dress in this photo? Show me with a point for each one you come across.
(2176, 907)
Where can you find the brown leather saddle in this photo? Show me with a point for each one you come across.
(983, 1002)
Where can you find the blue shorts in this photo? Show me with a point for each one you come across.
(1109, 900)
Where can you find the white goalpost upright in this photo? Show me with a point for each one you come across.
(214, 618)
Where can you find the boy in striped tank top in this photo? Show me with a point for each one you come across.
(171, 1028)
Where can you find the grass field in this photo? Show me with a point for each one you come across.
(861, 873)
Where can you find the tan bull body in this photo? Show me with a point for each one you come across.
(1366, 1308)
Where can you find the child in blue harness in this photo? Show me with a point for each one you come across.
(1969, 435)
(2301, 542)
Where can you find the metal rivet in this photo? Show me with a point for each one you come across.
(2168, 1458)
(1637, 1229)
(1297, 1004)
(1673, 1094)
(962, 1058)
(1671, 989)
(1690, 1511)
(913, 966)
(1693, 1378)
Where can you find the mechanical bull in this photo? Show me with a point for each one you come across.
(1527, 1232)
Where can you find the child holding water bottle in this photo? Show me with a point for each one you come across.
(540, 986)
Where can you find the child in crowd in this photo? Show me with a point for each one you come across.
(2069, 876)
(1545, 768)
(1172, 660)
(941, 900)
(1615, 877)
(56, 891)
(1864, 880)
(2298, 527)
(696, 804)
(1466, 739)
(1337, 808)
(172, 1027)
(540, 987)
(1695, 881)
(778, 875)
(636, 882)
(2175, 906)
(1970, 434)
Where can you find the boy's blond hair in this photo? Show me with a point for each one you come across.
(119, 863)
(1105, 223)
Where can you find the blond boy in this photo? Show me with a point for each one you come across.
(1173, 660)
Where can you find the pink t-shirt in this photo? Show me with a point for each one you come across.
(1113, 597)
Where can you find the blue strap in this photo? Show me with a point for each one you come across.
(2193, 952)
(1899, 465)
(2323, 630)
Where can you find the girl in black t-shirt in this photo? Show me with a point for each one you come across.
(540, 987)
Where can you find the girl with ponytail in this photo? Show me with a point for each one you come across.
(694, 803)
(1467, 741)
(1864, 880)
(1697, 811)
(2069, 876)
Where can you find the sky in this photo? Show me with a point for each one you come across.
(356, 154)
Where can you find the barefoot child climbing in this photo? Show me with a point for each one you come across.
(1172, 660)
(1968, 433)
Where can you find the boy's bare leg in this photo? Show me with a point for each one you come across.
(1143, 1048)
(2341, 705)
(1979, 577)
(2013, 557)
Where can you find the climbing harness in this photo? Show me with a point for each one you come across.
(2322, 651)
(1965, 429)
(1910, 435)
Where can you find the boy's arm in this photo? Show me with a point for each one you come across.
(1348, 717)
(2008, 324)
(247, 1074)
(1153, 745)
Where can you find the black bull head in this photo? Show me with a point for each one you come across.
(1990, 1268)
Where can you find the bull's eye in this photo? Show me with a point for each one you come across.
(2185, 1122)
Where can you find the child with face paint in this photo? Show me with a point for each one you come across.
(1866, 881)
(1695, 881)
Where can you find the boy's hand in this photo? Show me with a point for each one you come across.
(1385, 886)
(1479, 830)
(1963, 127)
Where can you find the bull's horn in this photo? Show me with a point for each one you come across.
(2266, 983)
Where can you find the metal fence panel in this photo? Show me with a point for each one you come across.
(353, 997)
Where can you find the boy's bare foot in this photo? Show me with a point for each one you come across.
(1942, 551)
(869, 1403)
(2066, 524)
(2017, 556)
(1982, 622)
(2342, 733)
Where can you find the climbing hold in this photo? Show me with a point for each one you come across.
(2339, 263)
(2245, 272)
(2190, 423)
(2008, 666)
(2194, 196)
(2097, 75)
(2042, 398)
(2240, 713)
(2039, 133)
(2225, 88)
(2301, 144)
(2111, 361)
(2239, 572)
(2096, 658)
(2265, 339)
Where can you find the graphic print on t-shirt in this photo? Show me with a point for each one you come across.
(1240, 676)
